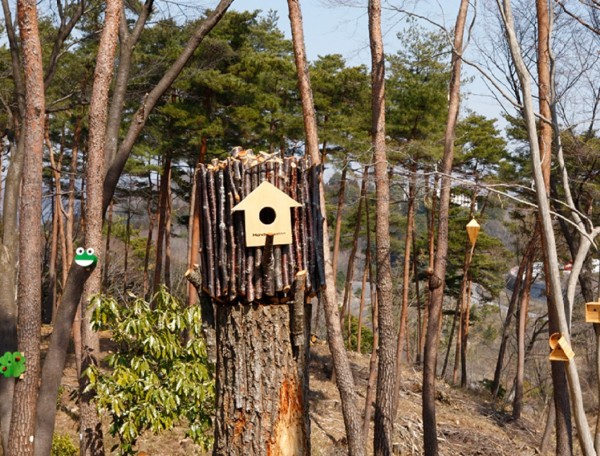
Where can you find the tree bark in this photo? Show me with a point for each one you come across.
(29, 288)
(384, 401)
(90, 428)
(521, 329)
(9, 250)
(436, 281)
(338, 222)
(162, 217)
(549, 245)
(410, 218)
(73, 290)
(529, 251)
(262, 401)
(343, 373)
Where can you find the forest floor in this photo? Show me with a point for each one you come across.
(468, 421)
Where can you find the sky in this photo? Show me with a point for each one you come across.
(341, 27)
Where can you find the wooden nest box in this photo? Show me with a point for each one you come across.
(261, 224)
(561, 350)
(592, 312)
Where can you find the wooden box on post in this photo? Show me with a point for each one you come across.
(592, 312)
(261, 253)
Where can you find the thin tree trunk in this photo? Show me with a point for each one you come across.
(384, 402)
(347, 301)
(343, 373)
(556, 306)
(361, 308)
(431, 256)
(168, 234)
(73, 289)
(529, 251)
(450, 340)
(162, 217)
(338, 221)
(105, 272)
(410, 216)
(521, 327)
(436, 281)
(194, 225)
(370, 394)
(152, 219)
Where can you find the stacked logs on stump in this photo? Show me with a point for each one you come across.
(232, 272)
(260, 349)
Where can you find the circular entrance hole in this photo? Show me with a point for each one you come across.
(267, 215)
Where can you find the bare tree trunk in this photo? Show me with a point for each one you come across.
(105, 273)
(529, 251)
(384, 401)
(343, 373)
(556, 306)
(29, 288)
(9, 250)
(162, 217)
(436, 281)
(193, 235)
(431, 255)
(168, 234)
(90, 428)
(410, 216)
(370, 394)
(338, 221)
(73, 287)
(347, 301)
(521, 328)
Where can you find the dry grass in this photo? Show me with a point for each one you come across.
(467, 421)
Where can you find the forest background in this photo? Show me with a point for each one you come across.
(189, 87)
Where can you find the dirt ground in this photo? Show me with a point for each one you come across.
(467, 421)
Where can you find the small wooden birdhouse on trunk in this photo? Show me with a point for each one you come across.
(261, 258)
(267, 212)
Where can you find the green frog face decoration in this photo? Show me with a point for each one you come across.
(85, 258)
(12, 364)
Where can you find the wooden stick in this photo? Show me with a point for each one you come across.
(212, 200)
(222, 232)
(297, 323)
(267, 266)
(207, 234)
(318, 220)
(232, 263)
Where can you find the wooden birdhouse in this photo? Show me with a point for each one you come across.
(473, 230)
(592, 312)
(267, 211)
(261, 226)
(561, 350)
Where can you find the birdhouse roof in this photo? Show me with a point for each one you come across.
(263, 195)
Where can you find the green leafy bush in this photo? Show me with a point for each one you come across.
(62, 445)
(158, 377)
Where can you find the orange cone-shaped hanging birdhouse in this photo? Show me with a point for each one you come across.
(473, 230)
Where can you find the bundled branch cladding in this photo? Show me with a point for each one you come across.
(232, 272)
